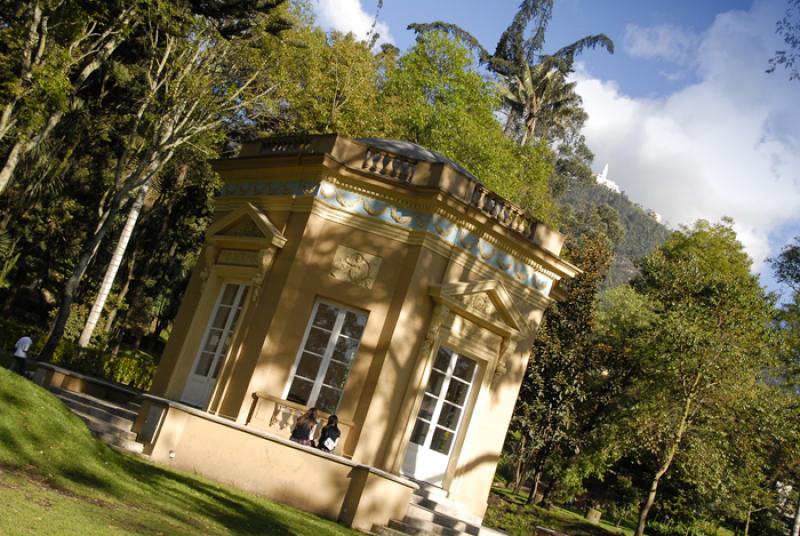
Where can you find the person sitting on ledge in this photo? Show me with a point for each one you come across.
(304, 428)
(330, 435)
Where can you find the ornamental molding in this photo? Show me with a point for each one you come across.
(398, 218)
(356, 267)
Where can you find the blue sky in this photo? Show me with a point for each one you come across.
(572, 19)
(683, 113)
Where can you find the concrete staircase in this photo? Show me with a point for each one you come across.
(431, 513)
(110, 422)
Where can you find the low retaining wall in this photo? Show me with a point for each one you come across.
(49, 375)
(303, 477)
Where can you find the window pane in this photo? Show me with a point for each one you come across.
(353, 325)
(449, 416)
(218, 366)
(326, 316)
(308, 366)
(464, 368)
(457, 392)
(419, 433)
(236, 317)
(435, 383)
(328, 399)
(213, 340)
(221, 317)
(226, 343)
(336, 375)
(442, 359)
(300, 391)
(442, 439)
(317, 341)
(229, 294)
(345, 349)
(204, 363)
(426, 410)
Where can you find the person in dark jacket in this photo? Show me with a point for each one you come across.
(330, 435)
(303, 431)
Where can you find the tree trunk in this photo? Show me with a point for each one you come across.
(796, 524)
(518, 472)
(113, 268)
(530, 126)
(123, 292)
(747, 520)
(71, 286)
(535, 488)
(673, 448)
(10, 165)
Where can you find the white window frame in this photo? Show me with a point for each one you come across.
(326, 358)
(441, 400)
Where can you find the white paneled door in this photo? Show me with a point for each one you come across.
(215, 345)
(440, 416)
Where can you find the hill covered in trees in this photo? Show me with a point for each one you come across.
(635, 233)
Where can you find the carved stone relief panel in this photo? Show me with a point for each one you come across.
(480, 302)
(355, 267)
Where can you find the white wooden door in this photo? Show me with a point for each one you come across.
(215, 345)
(439, 417)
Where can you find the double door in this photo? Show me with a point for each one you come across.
(440, 417)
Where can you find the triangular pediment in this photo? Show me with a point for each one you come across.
(246, 223)
(486, 300)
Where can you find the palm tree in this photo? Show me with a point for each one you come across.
(534, 85)
(540, 97)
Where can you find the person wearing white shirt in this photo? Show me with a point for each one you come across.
(19, 365)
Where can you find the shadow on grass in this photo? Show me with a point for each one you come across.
(508, 511)
(38, 435)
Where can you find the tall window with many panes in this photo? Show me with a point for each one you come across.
(326, 356)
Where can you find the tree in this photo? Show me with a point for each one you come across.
(435, 97)
(561, 361)
(534, 84)
(706, 351)
(50, 51)
(190, 87)
(789, 28)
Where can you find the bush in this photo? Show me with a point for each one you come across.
(134, 370)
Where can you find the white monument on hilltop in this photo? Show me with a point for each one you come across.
(603, 179)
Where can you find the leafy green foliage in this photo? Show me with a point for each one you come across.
(788, 28)
(436, 91)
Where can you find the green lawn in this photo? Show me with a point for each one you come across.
(55, 478)
(508, 512)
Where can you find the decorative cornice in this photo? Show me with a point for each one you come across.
(417, 221)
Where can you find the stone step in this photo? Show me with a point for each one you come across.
(101, 426)
(385, 531)
(419, 516)
(447, 507)
(429, 491)
(105, 405)
(423, 528)
(125, 445)
(108, 422)
(97, 413)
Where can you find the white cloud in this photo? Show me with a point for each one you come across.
(727, 145)
(349, 16)
(664, 41)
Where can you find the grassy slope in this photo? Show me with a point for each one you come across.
(55, 478)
